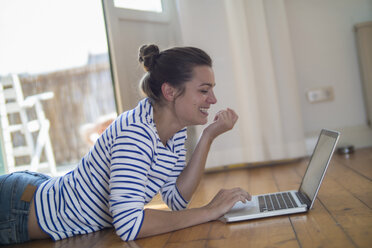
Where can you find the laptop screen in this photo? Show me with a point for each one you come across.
(318, 164)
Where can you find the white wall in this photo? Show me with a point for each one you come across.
(325, 54)
(210, 15)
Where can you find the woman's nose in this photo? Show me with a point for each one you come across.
(212, 98)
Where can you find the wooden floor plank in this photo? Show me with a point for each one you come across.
(351, 214)
(276, 232)
(336, 194)
(209, 186)
(187, 244)
(357, 185)
(271, 232)
(157, 203)
(316, 228)
(286, 176)
(360, 161)
(194, 233)
(237, 178)
(150, 242)
(261, 181)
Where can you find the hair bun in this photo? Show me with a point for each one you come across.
(148, 55)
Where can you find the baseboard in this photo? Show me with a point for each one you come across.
(358, 136)
(251, 165)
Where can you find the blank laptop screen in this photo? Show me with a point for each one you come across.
(318, 163)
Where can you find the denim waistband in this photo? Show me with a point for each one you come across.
(16, 191)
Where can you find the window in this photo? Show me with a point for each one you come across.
(67, 56)
(143, 5)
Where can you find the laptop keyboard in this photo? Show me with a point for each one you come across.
(301, 198)
(277, 201)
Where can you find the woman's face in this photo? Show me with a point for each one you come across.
(191, 108)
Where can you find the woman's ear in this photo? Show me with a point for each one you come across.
(169, 92)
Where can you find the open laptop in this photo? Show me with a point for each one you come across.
(294, 201)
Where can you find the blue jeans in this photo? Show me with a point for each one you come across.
(13, 209)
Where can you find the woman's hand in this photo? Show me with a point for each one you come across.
(223, 122)
(224, 200)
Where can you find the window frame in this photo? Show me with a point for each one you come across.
(141, 15)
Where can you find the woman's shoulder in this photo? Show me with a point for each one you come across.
(140, 115)
(125, 123)
(181, 135)
(136, 122)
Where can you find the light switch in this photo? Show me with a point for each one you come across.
(320, 94)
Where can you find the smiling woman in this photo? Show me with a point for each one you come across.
(140, 154)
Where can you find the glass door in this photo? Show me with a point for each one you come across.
(59, 47)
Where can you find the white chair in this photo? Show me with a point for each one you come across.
(12, 102)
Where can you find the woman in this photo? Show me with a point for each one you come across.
(140, 154)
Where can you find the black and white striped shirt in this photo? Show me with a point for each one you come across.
(125, 169)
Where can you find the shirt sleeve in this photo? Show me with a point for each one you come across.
(131, 157)
(170, 193)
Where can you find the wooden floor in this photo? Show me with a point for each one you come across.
(341, 216)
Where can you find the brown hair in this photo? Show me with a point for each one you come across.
(174, 66)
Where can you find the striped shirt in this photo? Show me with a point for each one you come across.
(124, 170)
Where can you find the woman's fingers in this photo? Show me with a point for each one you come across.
(227, 115)
(241, 195)
(234, 117)
(225, 199)
(223, 121)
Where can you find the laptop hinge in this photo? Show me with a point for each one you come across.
(304, 199)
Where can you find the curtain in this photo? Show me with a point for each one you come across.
(253, 59)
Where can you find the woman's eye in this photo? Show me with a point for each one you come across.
(204, 91)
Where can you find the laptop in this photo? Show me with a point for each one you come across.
(293, 201)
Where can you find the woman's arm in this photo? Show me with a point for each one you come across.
(189, 179)
(158, 221)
